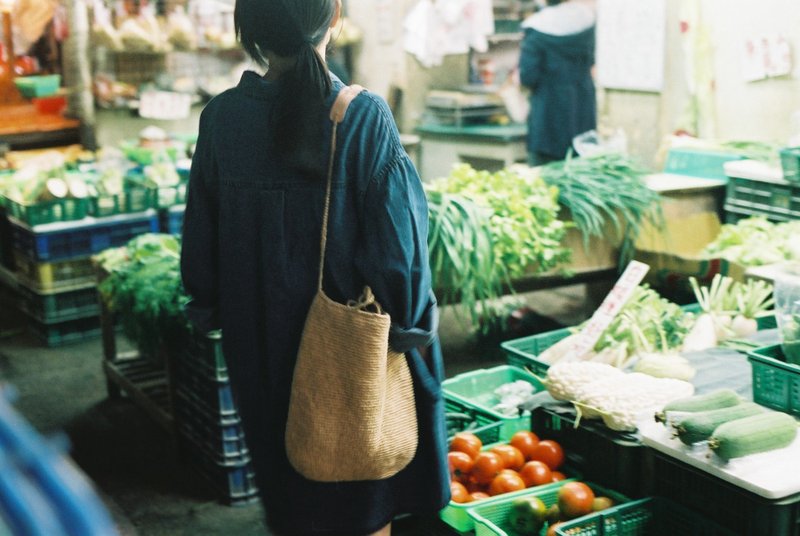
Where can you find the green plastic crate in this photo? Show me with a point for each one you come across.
(700, 163)
(475, 389)
(790, 163)
(654, 516)
(491, 519)
(522, 352)
(461, 419)
(68, 209)
(456, 515)
(132, 199)
(732, 507)
(38, 85)
(776, 200)
(776, 383)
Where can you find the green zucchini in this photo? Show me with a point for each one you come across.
(754, 434)
(721, 398)
(699, 426)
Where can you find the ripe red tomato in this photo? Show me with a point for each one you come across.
(467, 442)
(460, 464)
(459, 493)
(549, 452)
(558, 476)
(525, 441)
(511, 455)
(487, 466)
(536, 473)
(473, 486)
(551, 530)
(478, 495)
(575, 499)
(506, 481)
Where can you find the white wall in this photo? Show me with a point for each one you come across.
(753, 110)
(741, 110)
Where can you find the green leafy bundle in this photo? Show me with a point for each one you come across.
(144, 289)
(488, 228)
(756, 241)
(605, 188)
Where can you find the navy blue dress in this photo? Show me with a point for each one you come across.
(557, 69)
(249, 261)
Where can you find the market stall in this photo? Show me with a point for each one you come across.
(672, 409)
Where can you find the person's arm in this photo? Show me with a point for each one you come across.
(393, 257)
(531, 61)
(199, 265)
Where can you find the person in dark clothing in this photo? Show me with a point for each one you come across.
(250, 255)
(555, 63)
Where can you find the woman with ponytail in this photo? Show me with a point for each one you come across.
(251, 246)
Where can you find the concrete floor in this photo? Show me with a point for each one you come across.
(135, 464)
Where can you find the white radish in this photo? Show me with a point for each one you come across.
(743, 326)
(702, 336)
(722, 326)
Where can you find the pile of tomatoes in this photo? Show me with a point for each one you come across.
(524, 462)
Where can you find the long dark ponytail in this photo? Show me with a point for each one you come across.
(292, 29)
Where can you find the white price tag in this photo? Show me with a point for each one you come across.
(611, 306)
(164, 105)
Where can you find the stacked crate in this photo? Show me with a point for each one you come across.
(52, 244)
(207, 421)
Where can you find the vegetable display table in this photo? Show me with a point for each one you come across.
(23, 127)
(491, 146)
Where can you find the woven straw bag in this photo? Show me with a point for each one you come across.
(352, 414)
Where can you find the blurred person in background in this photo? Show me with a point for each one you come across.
(555, 63)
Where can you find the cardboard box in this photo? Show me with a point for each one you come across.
(674, 253)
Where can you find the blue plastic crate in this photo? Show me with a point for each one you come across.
(61, 306)
(203, 353)
(212, 395)
(224, 442)
(234, 485)
(67, 332)
(70, 240)
(172, 220)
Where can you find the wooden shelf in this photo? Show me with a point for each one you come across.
(23, 127)
(145, 382)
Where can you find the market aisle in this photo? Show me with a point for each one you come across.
(135, 464)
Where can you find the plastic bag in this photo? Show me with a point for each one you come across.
(593, 142)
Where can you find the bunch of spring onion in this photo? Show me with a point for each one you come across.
(605, 188)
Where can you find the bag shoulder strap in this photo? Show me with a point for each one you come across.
(338, 111)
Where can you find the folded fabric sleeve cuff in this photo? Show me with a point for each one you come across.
(422, 335)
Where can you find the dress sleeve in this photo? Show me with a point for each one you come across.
(199, 266)
(531, 61)
(393, 255)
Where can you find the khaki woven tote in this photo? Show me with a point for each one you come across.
(352, 414)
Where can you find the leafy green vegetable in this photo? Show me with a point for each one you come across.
(762, 151)
(605, 188)
(647, 323)
(488, 228)
(756, 241)
(144, 289)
